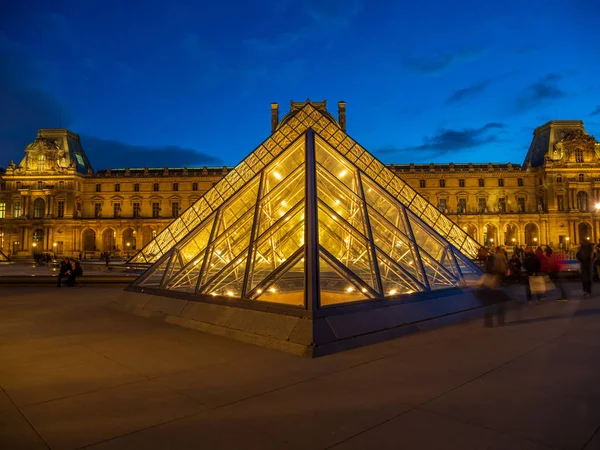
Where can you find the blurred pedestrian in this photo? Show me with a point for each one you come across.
(585, 258)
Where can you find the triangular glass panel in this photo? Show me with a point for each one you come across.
(186, 280)
(426, 239)
(237, 207)
(437, 276)
(336, 165)
(469, 271)
(384, 204)
(395, 280)
(153, 277)
(285, 164)
(229, 282)
(287, 287)
(196, 242)
(449, 263)
(336, 288)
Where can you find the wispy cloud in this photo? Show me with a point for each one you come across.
(542, 91)
(103, 153)
(440, 62)
(596, 112)
(468, 92)
(448, 140)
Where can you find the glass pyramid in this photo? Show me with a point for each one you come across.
(291, 127)
(3, 257)
(310, 229)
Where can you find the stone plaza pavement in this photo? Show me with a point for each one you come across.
(76, 374)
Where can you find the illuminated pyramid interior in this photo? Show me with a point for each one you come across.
(258, 245)
(3, 257)
(310, 245)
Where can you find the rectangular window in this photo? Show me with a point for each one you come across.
(2, 210)
(481, 182)
(97, 210)
(194, 186)
(117, 187)
(61, 185)
(481, 205)
(98, 187)
(175, 209)
(175, 186)
(462, 205)
(520, 182)
(461, 182)
(155, 187)
(136, 187)
(421, 183)
(155, 209)
(502, 205)
(559, 178)
(17, 210)
(521, 204)
(60, 209)
(117, 210)
(560, 203)
(442, 182)
(501, 182)
(579, 155)
(442, 205)
(137, 209)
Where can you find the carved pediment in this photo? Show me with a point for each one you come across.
(578, 136)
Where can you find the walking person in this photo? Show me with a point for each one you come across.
(585, 258)
(107, 258)
(495, 267)
(553, 266)
(532, 266)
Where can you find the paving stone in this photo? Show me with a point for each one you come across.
(16, 433)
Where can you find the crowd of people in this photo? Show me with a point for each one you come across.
(528, 261)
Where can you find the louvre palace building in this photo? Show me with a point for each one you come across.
(54, 201)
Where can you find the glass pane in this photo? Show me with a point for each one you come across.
(449, 263)
(288, 288)
(346, 245)
(426, 240)
(438, 277)
(336, 165)
(340, 199)
(279, 201)
(230, 281)
(335, 288)
(277, 245)
(187, 279)
(284, 165)
(393, 279)
(196, 242)
(238, 206)
(154, 278)
(468, 270)
(384, 204)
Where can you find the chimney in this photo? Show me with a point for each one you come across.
(274, 116)
(342, 115)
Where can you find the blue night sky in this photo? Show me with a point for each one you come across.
(164, 83)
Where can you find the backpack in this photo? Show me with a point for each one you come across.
(78, 269)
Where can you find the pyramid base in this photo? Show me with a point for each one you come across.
(335, 330)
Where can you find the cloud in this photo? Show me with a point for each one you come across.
(103, 153)
(542, 91)
(448, 140)
(438, 63)
(467, 92)
(596, 112)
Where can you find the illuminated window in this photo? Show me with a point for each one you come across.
(155, 187)
(117, 187)
(521, 204)
(155, 209)
(520, 182)
(581, 178)
(462, 205)
(137, 209)
(501, 182)
(2, 210)
(17, 211)
(502, 205)
(481, 182)
(136, 187)
(97, 210)
(38, 208)
(98, 187)
(42, 162)
(481, 205)
(582, 201)
(559, 178)
(461, 182)
(442, 183)
(40, 185)
(194, 186)
(578, 155)
(116, 210)
(175, 186)
(175, 209)
(60, 209)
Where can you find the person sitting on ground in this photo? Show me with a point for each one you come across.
(65, 266)
(72, 273)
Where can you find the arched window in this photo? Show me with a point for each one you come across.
(578, 155)
(38, 208)
(581, 178)
(38, 238)
(42, 162)
(582, 201)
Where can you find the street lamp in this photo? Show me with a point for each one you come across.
(128, 244)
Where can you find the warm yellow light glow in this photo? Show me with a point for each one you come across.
(364, 289)
(342, 173)
(513, 239)
(567, 239)
(534, 239)
(54, 245)
(230, 293)
(281, 213)
(597, 205)
(588, 238)
(196, 262)
(337, 202)
(277, 175)
(393, 292)
(409, 292)
(272, 290)
(214, 294)
(283, 203)
(218, 252)
(349, 289)
(491, 239)
(259, 291)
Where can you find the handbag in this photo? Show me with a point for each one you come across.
(540, 284)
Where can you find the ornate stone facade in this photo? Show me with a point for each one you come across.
(54, 201)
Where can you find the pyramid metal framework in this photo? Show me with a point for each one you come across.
(290, 128)
(3, 257)
(311, 227)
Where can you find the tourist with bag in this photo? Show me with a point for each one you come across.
(532, 267)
